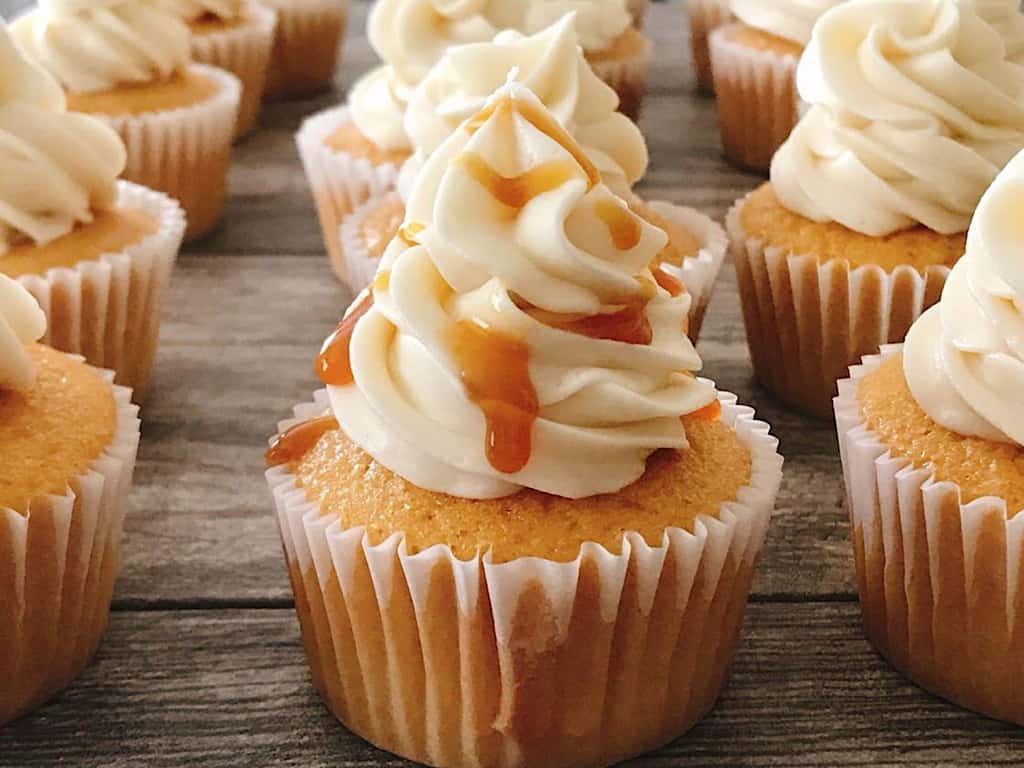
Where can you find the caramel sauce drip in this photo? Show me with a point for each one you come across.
(517, 191)
(298, 441)
(670, 283)
(494, 368)
(543, 122)
(710, 412)
(628, 324)
(333, 364)
(408, 233)
(623, 226)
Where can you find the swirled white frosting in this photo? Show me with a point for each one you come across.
(1006, 17)
(916, 109)
(964, 358)
(604, 405)
(378, 102)
(56, 167)
(96, 45)
(598, 22)
(21, 322)
(792, 20)
(552, 65)
(191, 10)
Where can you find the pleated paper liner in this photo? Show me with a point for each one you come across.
(705, 16)
(807, 321)
(700, 272)
(243, 50)
(108, 310)
(757, 99)
(58, 564)
(340, 182)
(307, 45)
(627, 77)
(529, 662)
(185, 153)
(941, 582)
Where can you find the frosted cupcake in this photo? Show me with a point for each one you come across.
(96, 253)
(932, 439)
(551, 64)
(513, 469)
(307, 45)
(128, 62)
(754, 64)
(68, 438)
(617, 52)
(234, 35)
(704, 17)
(915, 111)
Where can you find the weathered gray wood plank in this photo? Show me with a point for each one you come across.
(230, 688)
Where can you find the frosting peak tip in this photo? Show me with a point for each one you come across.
(22, 322)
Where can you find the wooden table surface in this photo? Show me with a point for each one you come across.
(203, 664)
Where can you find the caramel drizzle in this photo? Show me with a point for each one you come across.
(710, 412)
(517, 191)
(334, 363)
(495, 371)
(670, 283)
(623, 226)
(298, 441)
(628, 324)
(409, 232)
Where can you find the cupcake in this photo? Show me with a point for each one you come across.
(307, 45)
(617, 51)
(353, 152)
(754, 64)
(870, 198)
(234, 35)
(705, 16)
(519, 530)
(96, 253)
(69, 439)
(176, 118)
(551, 64)
(932, 441)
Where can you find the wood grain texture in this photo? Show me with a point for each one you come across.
(229, 688)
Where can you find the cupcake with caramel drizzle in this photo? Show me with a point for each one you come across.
(512, 423)
(552, 64)
(95, 252)
(68, 438)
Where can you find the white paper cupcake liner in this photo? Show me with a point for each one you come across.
(529, 662)
(807, 321)
(360, 266)
(58, 564)
(698, 273)
(108, 309)
(185, 153)
(627, 77)
(244, 51)
(340, 182)
(705, 16)
(941, 585)
(307, 45)
(757, 99)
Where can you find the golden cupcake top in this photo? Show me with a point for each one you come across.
(57, 168)
(915, 110)
(516, 335)
(99, 45)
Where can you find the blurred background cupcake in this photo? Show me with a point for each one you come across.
(932, 440)
(307, 45)
(69, 438)
(176, 118)
(754, 65)
(514, 442)
(871, 196)
(235, 35)
(96, 253)
(704, 17)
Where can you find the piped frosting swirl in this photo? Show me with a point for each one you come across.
(97, 45)
(916, 109)
(515, 335)
(21, 323)
(56, 167)
(964, 358)
(193, 10)
(551, 64)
